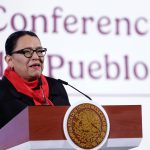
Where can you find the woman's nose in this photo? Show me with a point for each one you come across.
(35, 55)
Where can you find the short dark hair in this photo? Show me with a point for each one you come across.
(13, 38)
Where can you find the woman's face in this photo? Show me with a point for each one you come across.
(28, 68)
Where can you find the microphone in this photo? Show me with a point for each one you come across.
(66, 83)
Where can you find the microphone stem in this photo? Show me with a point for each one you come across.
(80, 92)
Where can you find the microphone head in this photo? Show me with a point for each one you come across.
(63, 82)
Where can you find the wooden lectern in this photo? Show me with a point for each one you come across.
(41, 128)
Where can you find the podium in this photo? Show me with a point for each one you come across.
(41, 128)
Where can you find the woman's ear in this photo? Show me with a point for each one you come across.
(9, 61)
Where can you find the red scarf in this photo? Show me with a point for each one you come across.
(29, 88)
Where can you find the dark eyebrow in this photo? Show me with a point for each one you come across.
(39, 47)
(32, 48)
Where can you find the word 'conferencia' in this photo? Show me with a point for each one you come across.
(58, 21)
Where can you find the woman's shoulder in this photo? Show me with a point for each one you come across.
(58, 93)
(3, 87)
(51, 80)
(2, 83)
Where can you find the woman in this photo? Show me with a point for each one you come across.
(23, 83)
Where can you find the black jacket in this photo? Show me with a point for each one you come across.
(13, 102)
